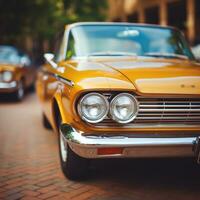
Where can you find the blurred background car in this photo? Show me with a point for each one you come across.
(16, 72)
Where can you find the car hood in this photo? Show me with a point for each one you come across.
(145, 76)
(160, 76)
(8, 67)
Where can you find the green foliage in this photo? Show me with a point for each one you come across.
(85, 10)
(42, 19)
(26, 17)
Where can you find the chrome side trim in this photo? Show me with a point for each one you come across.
(59, 78)
(64, 80)
(86, 146)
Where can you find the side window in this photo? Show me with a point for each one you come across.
(70, 47)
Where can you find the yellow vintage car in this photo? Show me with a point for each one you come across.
(121, 90)
(16, 72)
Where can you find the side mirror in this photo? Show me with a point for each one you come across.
(49, 58)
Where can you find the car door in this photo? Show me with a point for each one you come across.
(30, 70)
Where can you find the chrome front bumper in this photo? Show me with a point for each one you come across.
(87, 146)
(6, 87)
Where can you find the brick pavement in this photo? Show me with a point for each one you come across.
(29, 167)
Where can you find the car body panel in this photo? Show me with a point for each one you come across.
(153, 76)
(59, 88)
(105, 78)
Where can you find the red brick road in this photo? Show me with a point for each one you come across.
(29, 167)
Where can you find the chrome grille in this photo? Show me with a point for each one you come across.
(162, 111)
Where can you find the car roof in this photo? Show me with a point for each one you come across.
(11, 48)
(119, 24)
(8, 47)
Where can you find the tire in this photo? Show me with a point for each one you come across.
(45, 122)
(19, 94)
(73, 166)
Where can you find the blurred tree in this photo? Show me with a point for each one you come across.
(40, 21)
(86, 10)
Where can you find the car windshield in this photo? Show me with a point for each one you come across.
(128, 40)
(9, 55)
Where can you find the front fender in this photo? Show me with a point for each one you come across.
(61, 108)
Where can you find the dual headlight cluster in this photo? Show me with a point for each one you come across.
(94, 107)
(6, 76)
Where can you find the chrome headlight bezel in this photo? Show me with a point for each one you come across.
(83, 115)
(133, 115)
(9, 75)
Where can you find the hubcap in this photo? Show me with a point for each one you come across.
(63, 149)
(20, 90)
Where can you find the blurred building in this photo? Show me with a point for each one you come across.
(183, 14)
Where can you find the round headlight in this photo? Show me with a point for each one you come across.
(7, 76)
(93, 107)
(123, 108)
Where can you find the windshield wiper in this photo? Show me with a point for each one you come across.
(112, 53)
(166, 55)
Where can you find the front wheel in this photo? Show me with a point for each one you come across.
(19, 94)
(73, 166)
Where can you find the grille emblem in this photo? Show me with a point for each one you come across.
(188, 86)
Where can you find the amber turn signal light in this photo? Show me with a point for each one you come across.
(109, 151)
